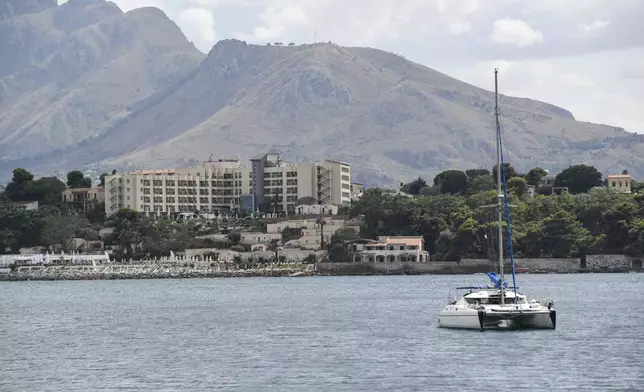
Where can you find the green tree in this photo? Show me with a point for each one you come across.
(102, 179)
(414, 187)
(130, 229)
(481, 183)
(234, 238)
(338, 253)
(96, 214)
(518, 186)
(563, 235)
(21, 176)
(508, 170)
(451, 181)
(535, 175)
(474, 173)
(76, 179)
(579, 178)
(47, 190)
(15, 190)
(635, 245)
(344, 236)
(58, 229)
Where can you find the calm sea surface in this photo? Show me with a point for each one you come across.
(313, 334)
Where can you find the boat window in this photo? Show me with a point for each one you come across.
(496, 300)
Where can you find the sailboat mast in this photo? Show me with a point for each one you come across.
(500, 196)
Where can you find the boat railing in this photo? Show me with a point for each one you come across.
(549, 303)
(485, 288)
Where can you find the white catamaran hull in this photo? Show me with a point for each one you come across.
(467, 318)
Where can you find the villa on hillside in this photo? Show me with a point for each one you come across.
(392, 249)
(619, 182)
(83, 199)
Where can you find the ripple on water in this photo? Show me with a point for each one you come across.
(320, 333)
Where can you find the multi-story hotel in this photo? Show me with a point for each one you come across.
(271, 184)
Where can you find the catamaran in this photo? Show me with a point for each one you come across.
(498, 306)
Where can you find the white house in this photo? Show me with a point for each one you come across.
(316, 209)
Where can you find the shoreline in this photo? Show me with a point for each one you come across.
(286, 273)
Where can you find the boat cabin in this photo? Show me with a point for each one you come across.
(493, 297)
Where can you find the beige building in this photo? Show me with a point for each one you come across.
(269, 185)
(620, 182)
(83, 199)
(278, 184)
(392, 249)
(213, 186)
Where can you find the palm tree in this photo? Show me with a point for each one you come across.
(320, 221)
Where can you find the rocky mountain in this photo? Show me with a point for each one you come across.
(128, 91)
(68, 72)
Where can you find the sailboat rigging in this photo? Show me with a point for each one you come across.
(487, 308)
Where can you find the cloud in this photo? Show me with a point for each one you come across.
(580, 84)
(198, 26)
(598, 24)
(575, 80)
(515, 32)
(275, 21)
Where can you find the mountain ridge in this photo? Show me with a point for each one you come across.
(99, 60)
(157, 102)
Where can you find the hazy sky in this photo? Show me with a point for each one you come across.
(584, 55)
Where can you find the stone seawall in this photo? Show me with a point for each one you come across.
(595, 263)
(143, 271)
(156, 270)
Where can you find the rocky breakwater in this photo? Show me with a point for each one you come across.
(143, 272)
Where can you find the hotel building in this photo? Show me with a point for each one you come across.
(269, 184)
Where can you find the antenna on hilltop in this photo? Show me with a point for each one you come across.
(315, 35)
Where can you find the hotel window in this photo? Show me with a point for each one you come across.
(345, 169)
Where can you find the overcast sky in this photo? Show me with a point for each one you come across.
(584, 55)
